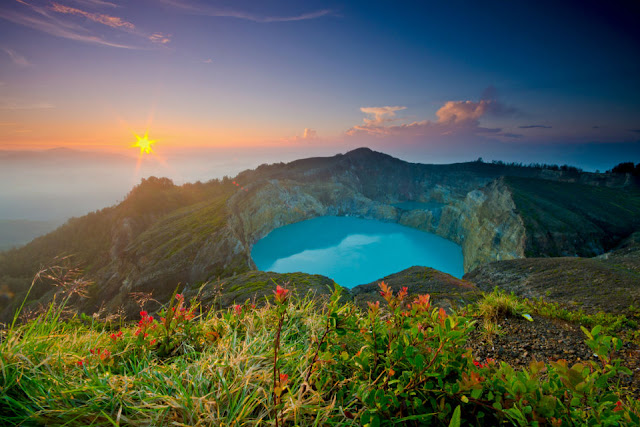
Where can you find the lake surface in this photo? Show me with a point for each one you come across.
(353, 251)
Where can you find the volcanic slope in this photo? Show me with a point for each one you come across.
(163, 234)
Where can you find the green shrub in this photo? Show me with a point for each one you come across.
(403, 362)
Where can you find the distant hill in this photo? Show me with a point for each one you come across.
(163, 234)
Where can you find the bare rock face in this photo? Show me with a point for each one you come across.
(162, 235)
(493, 229)
(484, 222)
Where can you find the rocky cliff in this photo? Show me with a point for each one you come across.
(162, 235)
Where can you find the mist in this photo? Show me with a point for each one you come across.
(56, 184)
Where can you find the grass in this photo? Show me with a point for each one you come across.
(342, 367)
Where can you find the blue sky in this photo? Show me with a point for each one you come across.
(438, 81)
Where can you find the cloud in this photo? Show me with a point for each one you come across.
(202, 9)
(95, 3)
(42, 20)
(110, 21)
(634, 130)
(511, 135)
(57, 20)
(380, 114)
(16, 57)
(462, 111)
(208, 61)
(160, 38)
(454, 118)
(309, 134)
(534, 126)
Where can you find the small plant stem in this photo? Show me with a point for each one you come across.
(426, 367)
(276, 348)
(303, 389)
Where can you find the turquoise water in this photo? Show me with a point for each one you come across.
(353, 251)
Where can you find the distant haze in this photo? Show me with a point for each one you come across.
(53, 185)
(61, 183)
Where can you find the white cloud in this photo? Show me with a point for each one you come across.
(380, 114)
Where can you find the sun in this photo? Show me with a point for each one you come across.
(144, 143)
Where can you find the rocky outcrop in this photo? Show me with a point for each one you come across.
(483, 221)
(487, 225)
(610, 282)
(162, 235)
(445, 290)
(257, 287)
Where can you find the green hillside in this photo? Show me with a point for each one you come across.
(563, 218)
(155, 212)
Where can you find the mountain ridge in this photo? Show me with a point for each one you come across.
(162, 234)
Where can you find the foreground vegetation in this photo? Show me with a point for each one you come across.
(296, 361)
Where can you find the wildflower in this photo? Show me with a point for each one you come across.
(442, 315)
(391, 372)
(422, 303)
(373, 308)
(385, 291)
(281, 294)
(238, 309)
(402, 293)
(116, 336)
(80, 362)
(143, 314)
(284, 378)
(179, 297)
(618, 406)
(152, 342)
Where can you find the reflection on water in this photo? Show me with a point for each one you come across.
(354, 251)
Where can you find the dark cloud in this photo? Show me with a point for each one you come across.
(535, 126)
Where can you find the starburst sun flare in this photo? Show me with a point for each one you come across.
(144, 143)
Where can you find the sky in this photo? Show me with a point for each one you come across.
(429, 81)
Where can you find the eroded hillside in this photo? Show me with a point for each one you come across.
(162, 235)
